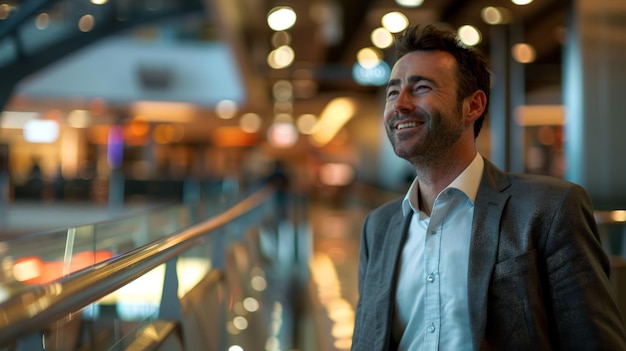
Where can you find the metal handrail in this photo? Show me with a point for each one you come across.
(38, 307)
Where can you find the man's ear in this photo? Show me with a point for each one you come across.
(477, 102)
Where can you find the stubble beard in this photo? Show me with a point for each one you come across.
(433, 147)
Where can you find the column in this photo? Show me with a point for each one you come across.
(593, 87)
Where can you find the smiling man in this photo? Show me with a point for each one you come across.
(472, 257)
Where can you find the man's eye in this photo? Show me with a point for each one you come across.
(421, 88)
(392, 93)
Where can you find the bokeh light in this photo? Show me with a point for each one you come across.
(381, 38)
(250, 122)
(395, 21)
(410, 3)
(523, 53)
(369, 57)
(469, 35)
(281, 57)
(281, 18)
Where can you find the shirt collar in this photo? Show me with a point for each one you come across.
(467, 182)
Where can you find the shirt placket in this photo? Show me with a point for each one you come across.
(432, 284)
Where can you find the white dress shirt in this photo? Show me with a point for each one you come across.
(431, 306)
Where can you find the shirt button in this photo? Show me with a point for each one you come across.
(430, 278)
(433, 232)
(431, 328)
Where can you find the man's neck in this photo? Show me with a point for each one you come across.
(434, 177)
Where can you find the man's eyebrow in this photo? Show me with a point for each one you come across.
(393, 82)
(412, 80)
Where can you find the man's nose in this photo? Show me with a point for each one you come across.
(403, 103)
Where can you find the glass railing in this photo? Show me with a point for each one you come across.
(202, 271)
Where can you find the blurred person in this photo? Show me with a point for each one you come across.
(473, 258)
(35, 182)
(279, 178)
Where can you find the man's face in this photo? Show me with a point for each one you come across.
(422, 117)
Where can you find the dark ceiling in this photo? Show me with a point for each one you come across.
(540, 24)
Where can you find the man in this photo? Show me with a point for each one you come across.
(474, 258)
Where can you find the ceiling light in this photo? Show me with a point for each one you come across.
(521, 2)
(86, 23)
(5, 10)
(495, 15)
(381, 38)
(281, 18)
(281, 57)
(469, 35)
(368, 57)
(395, 21)
(409, 3)
(523, 53)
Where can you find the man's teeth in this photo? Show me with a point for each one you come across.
(407, 125)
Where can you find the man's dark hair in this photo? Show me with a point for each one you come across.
(473, 72)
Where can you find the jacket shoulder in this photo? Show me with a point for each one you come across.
(525, 183)
(387, 210)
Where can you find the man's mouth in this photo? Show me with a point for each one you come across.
(406, 125)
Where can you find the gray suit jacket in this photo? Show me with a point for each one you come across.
(537, 273)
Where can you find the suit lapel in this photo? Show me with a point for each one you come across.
(394, 239)
(490, 202)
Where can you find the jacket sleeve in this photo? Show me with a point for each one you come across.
(577, 269)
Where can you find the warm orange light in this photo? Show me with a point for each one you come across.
(337, 113)
(160, 111)
(88, 258)
(136, 132)
(33, 270)
(99, 135)
(233, 137)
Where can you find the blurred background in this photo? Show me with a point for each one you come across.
(110, 101)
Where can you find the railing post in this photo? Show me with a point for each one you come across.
(170, 308)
